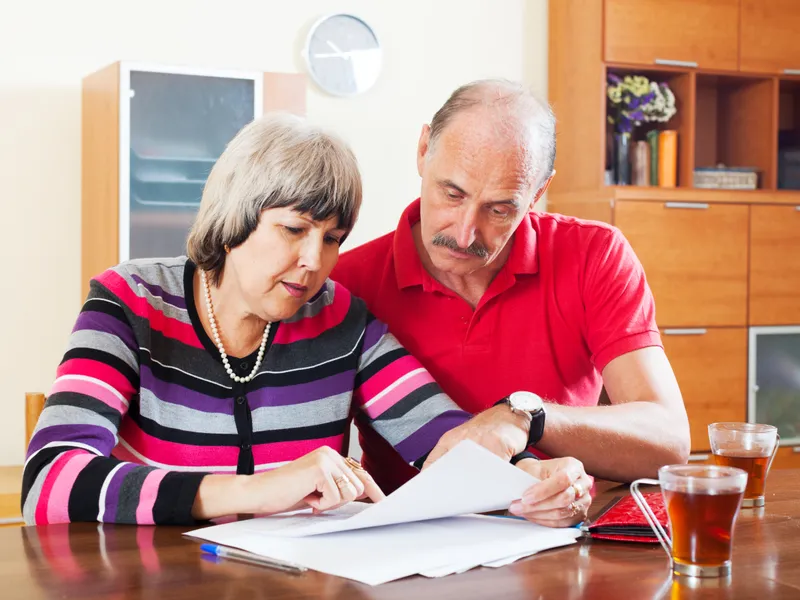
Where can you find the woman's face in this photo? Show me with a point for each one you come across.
(284, 262)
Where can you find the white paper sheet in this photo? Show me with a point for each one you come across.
(468, 479)
(413, 531)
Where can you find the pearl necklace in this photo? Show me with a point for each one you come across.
(215, 331)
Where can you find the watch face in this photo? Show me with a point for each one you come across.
(527, 401)
(343, 55)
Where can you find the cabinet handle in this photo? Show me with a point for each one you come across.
(687, 331)
(791, 71)
(676, 63)
(698, 457)
(796, 450)
(797, 208)
(693, 205)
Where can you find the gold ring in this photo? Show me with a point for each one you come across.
(578, 489)
(354, 464)
(341, 481)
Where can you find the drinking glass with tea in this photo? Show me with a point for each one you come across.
(750, 447)
(702, 504)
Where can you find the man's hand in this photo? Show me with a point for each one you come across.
(561, 498)
(498, 429)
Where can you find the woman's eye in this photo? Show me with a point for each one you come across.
(329, 239)
(293, 230)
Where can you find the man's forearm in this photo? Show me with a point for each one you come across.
(621, 442)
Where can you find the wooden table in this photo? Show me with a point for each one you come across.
(94, 561)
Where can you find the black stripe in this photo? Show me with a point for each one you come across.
(379, 363)
(192, 438)
(414, 399)
(36, 464)
(97, 303)
(105, 358)
(73, 399)
(175, 500)
(85, 492)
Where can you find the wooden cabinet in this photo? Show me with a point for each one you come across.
(787, 458)
(769, 32)
(695, 258)
(711, 368)
(774, 265)
(703, 33)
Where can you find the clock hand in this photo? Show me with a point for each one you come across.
(337, 49)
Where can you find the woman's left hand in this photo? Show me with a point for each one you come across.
(561, 498)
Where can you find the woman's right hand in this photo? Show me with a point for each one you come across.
(321, 479)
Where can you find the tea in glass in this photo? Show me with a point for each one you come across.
(747, 446)
(702, 504)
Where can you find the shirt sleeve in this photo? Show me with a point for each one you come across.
(397, 397)
(69, 473)
(620, 310)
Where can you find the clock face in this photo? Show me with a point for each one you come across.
(343, 54)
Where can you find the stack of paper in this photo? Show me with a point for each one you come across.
(416, 530)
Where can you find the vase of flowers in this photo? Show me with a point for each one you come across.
(632, 101)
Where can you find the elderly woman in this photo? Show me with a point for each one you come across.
(225, 382)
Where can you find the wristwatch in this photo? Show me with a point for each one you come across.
(532, 405)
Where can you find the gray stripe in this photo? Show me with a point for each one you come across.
(307, 414)
(73, 415)
(166, 273)
(387, 343)
(396, 430)
(29, 510)
(129, 495)
(268, 418)
(106, 342)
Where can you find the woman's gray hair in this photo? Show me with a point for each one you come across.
(276, 161)
(521, 113)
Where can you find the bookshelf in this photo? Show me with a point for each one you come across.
(720, 262)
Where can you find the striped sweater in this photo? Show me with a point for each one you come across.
(142, 407)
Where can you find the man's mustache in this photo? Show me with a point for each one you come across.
(475, 248)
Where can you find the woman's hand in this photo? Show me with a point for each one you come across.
(561, 498)
(321, 479)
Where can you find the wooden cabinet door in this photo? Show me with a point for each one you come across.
(695, 259)
(769, 38)
(775, 265)
(711, 368)
(704, 33)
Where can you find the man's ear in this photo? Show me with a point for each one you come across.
(423, 147)
(542, 189)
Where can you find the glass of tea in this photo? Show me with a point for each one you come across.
(750, 447)
(702, 504)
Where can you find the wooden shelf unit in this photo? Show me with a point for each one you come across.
(718, 261)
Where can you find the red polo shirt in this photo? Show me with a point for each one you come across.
(571, 297)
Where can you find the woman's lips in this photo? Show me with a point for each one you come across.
(296, 290)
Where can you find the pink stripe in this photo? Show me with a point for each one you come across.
(311, 327)
(147, 497)
(385, 377)
(183, 455)
(183, 332)
(124, 455)
(398, 393)
(89, 388)
(58, 498)
(103, 372)
(40, 517)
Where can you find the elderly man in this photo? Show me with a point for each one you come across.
(494, 299)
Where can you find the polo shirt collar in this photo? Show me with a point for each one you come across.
(409, 270)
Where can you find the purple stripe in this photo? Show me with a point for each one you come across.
(270, 396)
(98, 321)
(424, 439)
(157, 290)
(373, 333)
(112, 493)
(92, 435)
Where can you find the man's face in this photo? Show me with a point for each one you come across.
(475, 192)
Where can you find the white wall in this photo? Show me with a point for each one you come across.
(47, 46)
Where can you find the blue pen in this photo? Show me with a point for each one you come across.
(253, 559)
